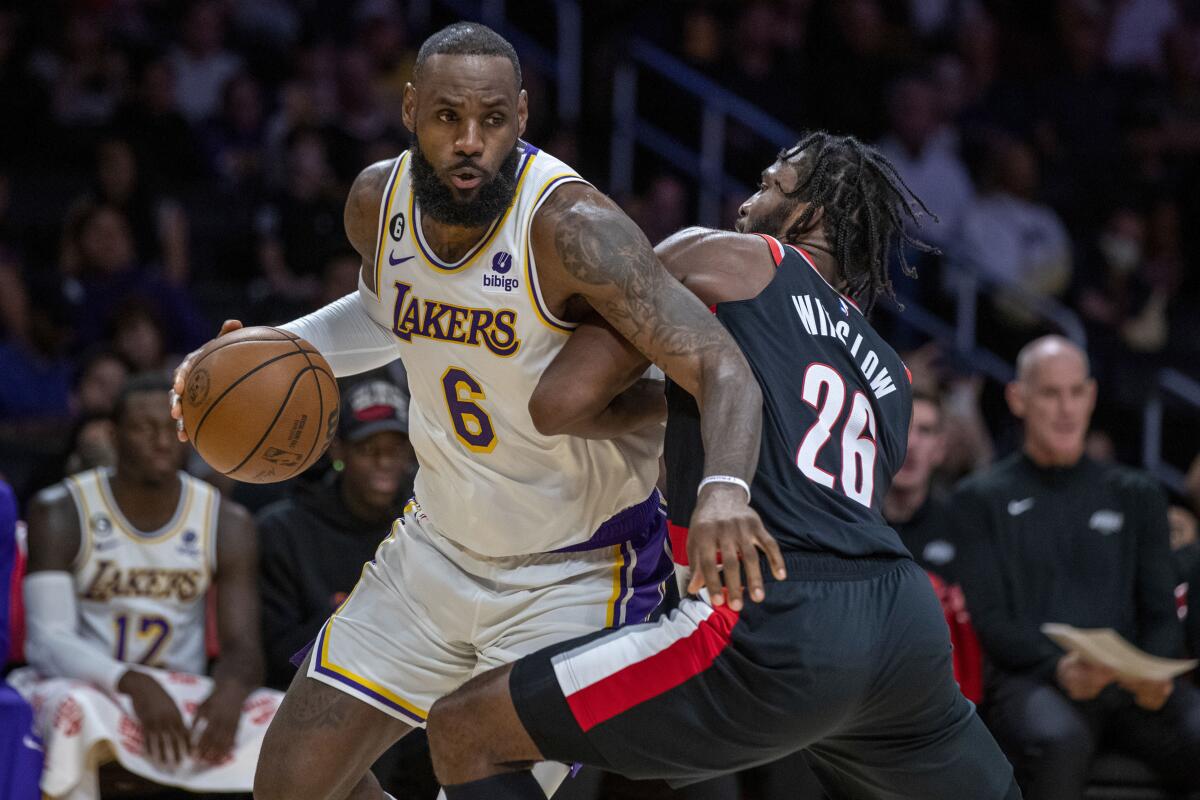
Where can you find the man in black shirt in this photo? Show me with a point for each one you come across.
(313, 546)
(1049, 535)
(911, 506)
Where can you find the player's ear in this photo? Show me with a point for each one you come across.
(409, 107)
(1091, 395)
(522, 111)
(1014, 393)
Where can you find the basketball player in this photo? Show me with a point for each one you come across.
(479, 253)
(849, 656)
(120, 561)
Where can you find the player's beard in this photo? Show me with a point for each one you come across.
(774, 223)
(437, 200)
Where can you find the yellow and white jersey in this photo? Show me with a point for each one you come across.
(140, 594)
(475, 338)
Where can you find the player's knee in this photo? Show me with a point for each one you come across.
(453, 743)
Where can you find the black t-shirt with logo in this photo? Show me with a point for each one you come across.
(1086, 545)
(836, 406)
(929, 536)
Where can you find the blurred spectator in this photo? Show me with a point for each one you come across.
(21, 96)
(164, 143)
(1048, 535)
(1185, 540)
(1136, 31)
(20, 750)
(202, 64)
(139, 339)
(235, 142)
(384, 38)
(703, 41)
(300, 230)
(91, 443)
(103, 273)
(159, 226)
(314, 544)
(99, 381)
(922, 149)
(33, 361)
(663, 209)
(1168, 125)
(912, 506)
(1010, 238)
(86, 74)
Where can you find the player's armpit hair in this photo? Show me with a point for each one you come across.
(864, 204)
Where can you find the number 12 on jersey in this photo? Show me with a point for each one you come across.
(472, 425)
(825, 391)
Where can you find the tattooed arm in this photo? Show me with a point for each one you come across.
(587, 247)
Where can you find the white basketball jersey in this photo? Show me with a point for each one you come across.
(475, 338)
(141, 595)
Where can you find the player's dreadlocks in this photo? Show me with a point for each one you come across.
(865, 202)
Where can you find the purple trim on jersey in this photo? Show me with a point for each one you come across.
(432, 258)
(358, 686)
(297, 659)
(533, 286)
(620, 527)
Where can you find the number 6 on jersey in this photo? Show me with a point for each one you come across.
(472, 425)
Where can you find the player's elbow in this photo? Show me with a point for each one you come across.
(554, 413)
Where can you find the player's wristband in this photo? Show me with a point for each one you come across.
(725, 479)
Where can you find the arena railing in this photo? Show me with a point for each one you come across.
(564, 65)
(1170, 384)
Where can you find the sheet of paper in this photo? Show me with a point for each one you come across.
(1108, 648)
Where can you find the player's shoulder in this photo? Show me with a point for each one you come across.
(52, 498)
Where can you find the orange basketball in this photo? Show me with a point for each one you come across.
(260, 405)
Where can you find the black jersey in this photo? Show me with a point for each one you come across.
(836, 407)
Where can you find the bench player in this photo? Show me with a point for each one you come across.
(849, 657)
(479, 252)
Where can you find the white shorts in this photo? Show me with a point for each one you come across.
(427, 614)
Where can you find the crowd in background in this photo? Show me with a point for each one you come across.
(167, 165)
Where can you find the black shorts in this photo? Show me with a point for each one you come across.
(848, 659)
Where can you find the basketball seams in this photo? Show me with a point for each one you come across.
(278, 413)
(320, 403)
(195, 435)
(288, 337)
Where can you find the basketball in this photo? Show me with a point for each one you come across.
(260, 405)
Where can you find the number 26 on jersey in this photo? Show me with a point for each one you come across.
(825, 390)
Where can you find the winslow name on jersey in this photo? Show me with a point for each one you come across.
(836, 407)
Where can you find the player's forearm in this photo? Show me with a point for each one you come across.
(240, 667)
(730, 403)
(344, 333)
(641, 405)
(53, 646)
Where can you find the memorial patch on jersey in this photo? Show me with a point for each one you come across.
(495, 329)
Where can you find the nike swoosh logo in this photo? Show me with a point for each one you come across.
(394, 261)
(30, 742)
(1018, 507)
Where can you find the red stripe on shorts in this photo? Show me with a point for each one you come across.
(635, 684)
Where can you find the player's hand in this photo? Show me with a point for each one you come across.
(181, 376)
(220, 714)
(1150, 695)
(1082, 679)
(163, 732)
(724, 531)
